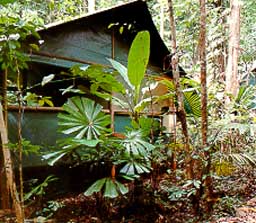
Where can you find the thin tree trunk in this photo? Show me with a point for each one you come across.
(176, 76)
(11, 185)
(161, 2)
(5, 193)
(204, 126)
(202, 56)
(19, 127)
(223, 48)
(232, 82)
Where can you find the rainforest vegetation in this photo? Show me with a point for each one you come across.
(199, 168)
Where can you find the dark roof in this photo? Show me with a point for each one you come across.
(90, 34)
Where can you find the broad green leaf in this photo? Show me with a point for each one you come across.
(122, 189)
(125, 168)
(55, 156)
(86, 142)
(122, 70)
(110, 189)
(138, 168)
(130, 170)
(96, 187)
(192, 103)
(119, 102)
(142, 105)
(121, 30)
(48, 102)
(138, 58)
(34, 47)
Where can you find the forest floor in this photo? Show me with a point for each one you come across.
(236, 203)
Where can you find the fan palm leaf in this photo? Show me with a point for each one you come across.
(83, 118)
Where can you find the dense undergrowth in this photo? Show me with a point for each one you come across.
(152, 205)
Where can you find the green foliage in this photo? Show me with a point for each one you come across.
(33, 99)
(4, 2)
(83, 117)
(136, 154)
(122, 71)
(232, 130)
(191, 96)
(51, 208)
(39, 190)
(112, 188)
(134, 167)
(102, 80)
(192, 104)
(134, 74)
(185, 191)
(248, 33)
(246, 99)
(72, 145)
(138, 60)
(134, 144)
(13, 30)
(28, 148)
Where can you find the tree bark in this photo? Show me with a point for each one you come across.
(204, 126)
(161, 2)
(232, 81)
(176, 76)
(202, 57)
(11, 185)
(5, 193)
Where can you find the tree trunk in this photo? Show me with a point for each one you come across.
(161, 2)
(11, 185)
(232, 81)
(223, 48)
(176, 76)
(203, 67)
(5, 193)
(202, 56)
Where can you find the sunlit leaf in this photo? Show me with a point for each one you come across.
(138, 58)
